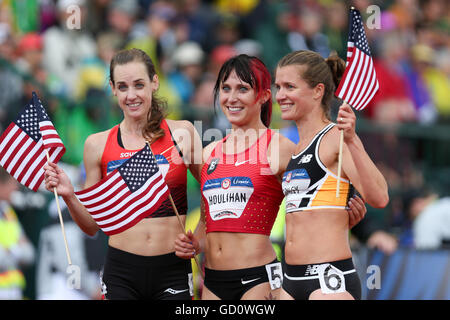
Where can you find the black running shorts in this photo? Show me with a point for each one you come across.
(128, 276)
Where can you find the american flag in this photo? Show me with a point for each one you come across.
(24, 145)
(127, 194)
(359, 82)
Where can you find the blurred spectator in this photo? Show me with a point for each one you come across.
(16, 251)
(308, 33)
(273, 32)
(406, 13)
(336, 28)
(65, 48)
(94, 70)
(30, 64)
(159, 21)
(249, 47)
(227, 30)
(414, 201)
(200, 22)
(188, 62)
(431, 221)
(122, 19)
(421, 60)
(218, 56)
(435, 13)
(158, 39)
(29, 52)
(97, 20)
(203, 100)
(47, 14)
(11, 85)
(247, 15)
(434, 68)
(392, 103)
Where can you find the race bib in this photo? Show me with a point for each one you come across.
(331, 279)
(227, 197)
(275, 275)
(295, 185)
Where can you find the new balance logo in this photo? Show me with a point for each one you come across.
(305, 158)
(312, 270)
(173, 291)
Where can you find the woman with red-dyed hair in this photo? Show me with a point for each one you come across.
(241, 190)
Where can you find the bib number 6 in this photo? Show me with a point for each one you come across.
(331, 279)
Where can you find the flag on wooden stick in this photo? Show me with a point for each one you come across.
(27, 144)
(24, 145)
(359, 82)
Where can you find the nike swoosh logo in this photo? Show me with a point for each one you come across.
(248, 281)
(239, 163)
(173, 291)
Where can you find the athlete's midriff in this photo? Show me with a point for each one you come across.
(315, 236)
(149, 237)
(229, 251)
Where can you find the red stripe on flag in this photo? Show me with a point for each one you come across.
(362, 90)
(30, 157)
(138, 218)
(145, 203)
(20, 161)
(8, 141)
(372, 88)
(36, 172)
(358, 78)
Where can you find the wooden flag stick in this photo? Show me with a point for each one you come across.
(60, 219)
(341, 142)
(184, 231)
(180, 222)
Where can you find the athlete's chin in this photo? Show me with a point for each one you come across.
(236, 121)
(286, 115)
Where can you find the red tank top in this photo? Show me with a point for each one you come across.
(170, 163)
(239, 190)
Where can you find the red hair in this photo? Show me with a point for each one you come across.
(252, 71)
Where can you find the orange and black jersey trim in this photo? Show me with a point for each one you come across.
(309, 184)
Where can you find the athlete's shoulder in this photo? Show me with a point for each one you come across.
(331, 137)
(280, 152)
(97, 139)
(284, 146)
(285, 143)
(180, 124)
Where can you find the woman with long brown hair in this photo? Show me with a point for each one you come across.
(140, 261)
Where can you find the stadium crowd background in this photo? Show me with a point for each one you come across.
(47, 49)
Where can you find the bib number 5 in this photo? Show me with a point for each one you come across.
(275, 275)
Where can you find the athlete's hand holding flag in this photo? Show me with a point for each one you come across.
(358, 84)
